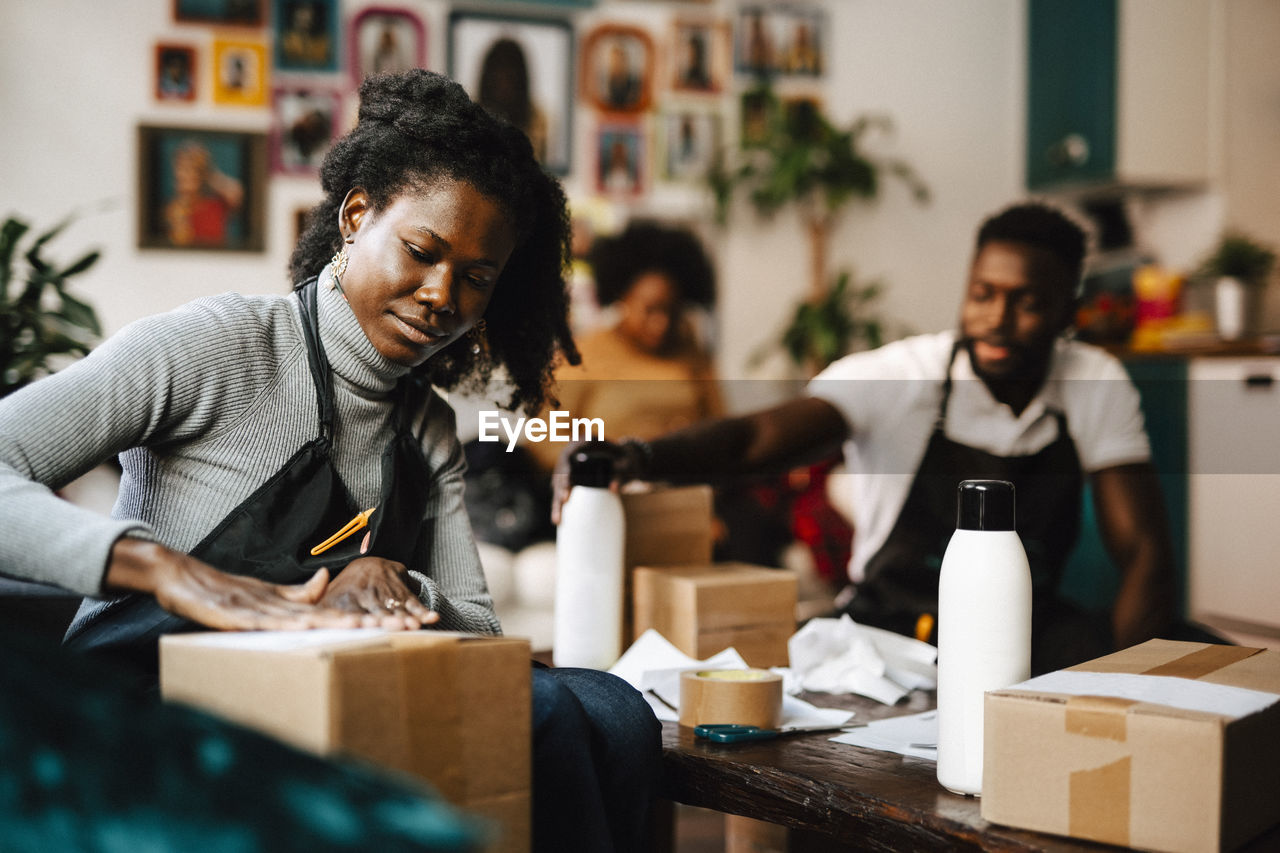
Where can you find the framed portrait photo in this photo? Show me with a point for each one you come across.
(232, 13)
(520, 69)
(617, 68)
(304, 124)
(386, 39)
(620, 158)
(175, 72)
(307, 35)
(689, 140)
(239, 72)
(699, 56)
(200, 189)
(787, 40)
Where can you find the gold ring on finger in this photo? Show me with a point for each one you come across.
(393, 604)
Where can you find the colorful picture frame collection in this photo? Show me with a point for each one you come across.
(519, 68)
(656, 98)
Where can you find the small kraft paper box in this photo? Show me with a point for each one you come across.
(1165, 746)
(665, 526)
(453, 709)
(704, 609)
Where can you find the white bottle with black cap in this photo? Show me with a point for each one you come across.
(984, 625)
(589, 567)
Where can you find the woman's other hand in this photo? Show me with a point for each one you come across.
(197, 591)
(375, 589)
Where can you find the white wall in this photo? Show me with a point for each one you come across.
(77, 80)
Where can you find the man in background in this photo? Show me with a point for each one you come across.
(1006, 395)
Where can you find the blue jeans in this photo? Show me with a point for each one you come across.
(596, 753)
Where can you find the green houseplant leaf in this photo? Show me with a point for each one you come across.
(1241, 257)
(799, 158)
(40, 322)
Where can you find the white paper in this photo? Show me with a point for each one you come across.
(653, 665)
(1189, 694)
(912, 734)
(841, 656)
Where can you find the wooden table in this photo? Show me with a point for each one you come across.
(837, 797)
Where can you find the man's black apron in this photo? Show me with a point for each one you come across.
(901, 579)
(269, 536)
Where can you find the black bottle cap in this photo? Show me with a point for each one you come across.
(985, 505)
(591, 468)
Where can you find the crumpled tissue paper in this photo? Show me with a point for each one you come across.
(841, 656)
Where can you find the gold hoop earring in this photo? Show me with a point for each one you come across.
(339, 269)
(476, 334)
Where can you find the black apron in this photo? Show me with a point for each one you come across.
(900, 581)
(270, 535)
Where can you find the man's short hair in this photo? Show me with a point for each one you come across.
(1040, 225)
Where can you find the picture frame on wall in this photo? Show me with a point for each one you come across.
(307, 35)
(520, 69)
(621, 157)
(301, 217)
(617, 68)
(234, 13)
(385, 39)
(201, 189)
(699, 57)
(175, 72)
(758, 109)
(305, 122)
(689, 141)
(239, 72)
(783, 40)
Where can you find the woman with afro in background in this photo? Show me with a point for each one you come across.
(250, 428)
(648, 372)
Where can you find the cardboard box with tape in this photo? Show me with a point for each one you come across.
(1165, 746)
(452, 709)
(704, 609)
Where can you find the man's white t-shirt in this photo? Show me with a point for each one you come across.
(890, 399)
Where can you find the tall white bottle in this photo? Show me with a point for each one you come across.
(589, 567)
(984, 625)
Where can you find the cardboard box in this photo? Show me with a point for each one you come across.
(703, 609)
(668, 526)
(453, 709)
(665, 526)
(1164, 746)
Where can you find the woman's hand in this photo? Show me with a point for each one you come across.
(628, 464)
(375, 589)
(197, 591)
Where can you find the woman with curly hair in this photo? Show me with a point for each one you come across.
(647, 373)
(251, 429)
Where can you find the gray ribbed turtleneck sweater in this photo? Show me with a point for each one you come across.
(203, 404)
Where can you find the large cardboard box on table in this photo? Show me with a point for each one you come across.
(453, 709)
(703, 609)
(1163, 746)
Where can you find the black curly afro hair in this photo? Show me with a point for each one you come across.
(1033, 223)
(651, 247)
(417, 127)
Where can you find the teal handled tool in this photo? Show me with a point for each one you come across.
(733, 733)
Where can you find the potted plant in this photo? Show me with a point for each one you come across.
(1239, 266)
(41, 324)
(796, 156)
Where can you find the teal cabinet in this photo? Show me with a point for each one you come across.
(1119, 93)
(1071, 91)
(1090, 577)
